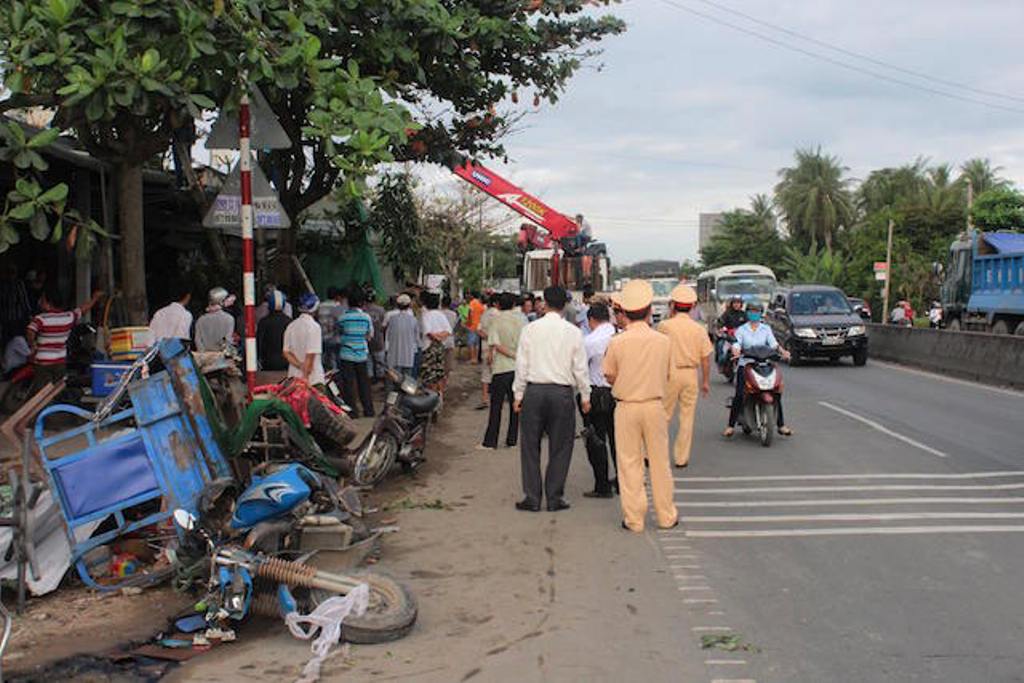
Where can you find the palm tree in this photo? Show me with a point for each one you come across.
(762, 210)
(887, 188)
(982, 175)
(814, 198)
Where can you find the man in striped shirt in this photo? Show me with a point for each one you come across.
(47, 335)
(355, 329)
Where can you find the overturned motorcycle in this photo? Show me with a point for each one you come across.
(237, 548)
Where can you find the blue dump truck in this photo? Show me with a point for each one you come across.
(983, 283)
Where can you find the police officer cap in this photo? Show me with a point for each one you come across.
(637, 295)
(683, 294)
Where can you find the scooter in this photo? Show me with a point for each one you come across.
(726, 362)
(220, 552)
(399, 433)
(762, 386)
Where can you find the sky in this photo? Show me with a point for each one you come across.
(687, 115)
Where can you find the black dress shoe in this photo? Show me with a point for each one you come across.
(526, 505)
(598, 494)
(557, 505)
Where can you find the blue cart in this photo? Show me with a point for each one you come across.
(135, 467)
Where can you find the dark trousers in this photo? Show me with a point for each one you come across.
(600, 441)
(501, 392)
(355, 378)
(547, 409)
(737, 401)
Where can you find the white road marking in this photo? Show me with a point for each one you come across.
(698, 601)
(873, 475)
(694, 577)
(684, 566)
(715, 662)
(849, 501)
(856, 531)
(711, 614)
(866, 487)
(733, 680)
(883, 429)
(699, 629)
(694, 588)
(952, 380)
(881, 517)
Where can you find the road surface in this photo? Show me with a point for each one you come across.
(881, 543)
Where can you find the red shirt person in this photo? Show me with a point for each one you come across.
(47, 335)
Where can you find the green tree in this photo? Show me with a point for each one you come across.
(814, 198)
(817, 266)
(887, 188)
(124, 76)
(743, 238)
(396, 218)
(983, 176)
(999, 209)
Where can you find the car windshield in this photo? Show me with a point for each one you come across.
(663, 288)
(818, 303)
(728, 287)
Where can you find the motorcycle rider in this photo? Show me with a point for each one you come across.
(750, 335)
(733, 318)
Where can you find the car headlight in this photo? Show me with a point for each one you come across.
(805, 332)
(855, 331)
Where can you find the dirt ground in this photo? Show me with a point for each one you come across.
(502, 594)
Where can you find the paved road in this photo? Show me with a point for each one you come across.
(882, 543)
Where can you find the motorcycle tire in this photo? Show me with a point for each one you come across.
(390, 616)
(373, 464)
(767, 430)
(335, 429)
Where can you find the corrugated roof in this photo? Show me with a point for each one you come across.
(1005, 242)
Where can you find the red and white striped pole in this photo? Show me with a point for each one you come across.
(248, 274)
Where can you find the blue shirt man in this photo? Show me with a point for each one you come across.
(749, 337)
(355, 329)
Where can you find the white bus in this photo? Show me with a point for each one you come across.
(715, 288)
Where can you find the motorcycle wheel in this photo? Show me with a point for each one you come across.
(374, 463)
(729, 372)
(332, 427)
(766, 424)
(391, 613)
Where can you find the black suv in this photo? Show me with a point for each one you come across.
(817, 321)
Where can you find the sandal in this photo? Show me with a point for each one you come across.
(729, 431)
(785, 431)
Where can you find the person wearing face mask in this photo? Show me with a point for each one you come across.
(752, 335)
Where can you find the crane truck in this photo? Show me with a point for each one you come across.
(554, 249)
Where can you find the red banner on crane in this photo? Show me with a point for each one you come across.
(557, 224)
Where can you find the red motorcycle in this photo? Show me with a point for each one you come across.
(762, 387)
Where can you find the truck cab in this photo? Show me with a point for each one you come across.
(983, 283)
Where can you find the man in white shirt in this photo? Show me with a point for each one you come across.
(303, 343)
(551, 368)
(600, 425)
(173, 321)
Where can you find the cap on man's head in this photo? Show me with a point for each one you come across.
(276, 300)
(403, 300)
(308, 303)
(637, 295)
(683, 294)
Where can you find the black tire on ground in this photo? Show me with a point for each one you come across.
(1019, 332)
(371, 466)
(1000, 327)
(835, 360)
(860, 358)
(954, 325)
(335, 429)
(390, 616)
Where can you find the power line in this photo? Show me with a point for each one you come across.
(858, 55)
(836, 62)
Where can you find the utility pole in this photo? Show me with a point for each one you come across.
(970, 205)
(248, 274)
(888, 274)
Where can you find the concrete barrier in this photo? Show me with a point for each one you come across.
(989, 358)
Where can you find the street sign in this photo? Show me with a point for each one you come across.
(880, 275)
(266, 131)
(226, 212)
(881, 266)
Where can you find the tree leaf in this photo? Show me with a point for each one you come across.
(57, 193)
(150, 59)
(203, 101)
(44, 138)
(38, 226)
(23, 211)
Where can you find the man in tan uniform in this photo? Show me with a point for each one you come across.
(637, 366)
(690, 348)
